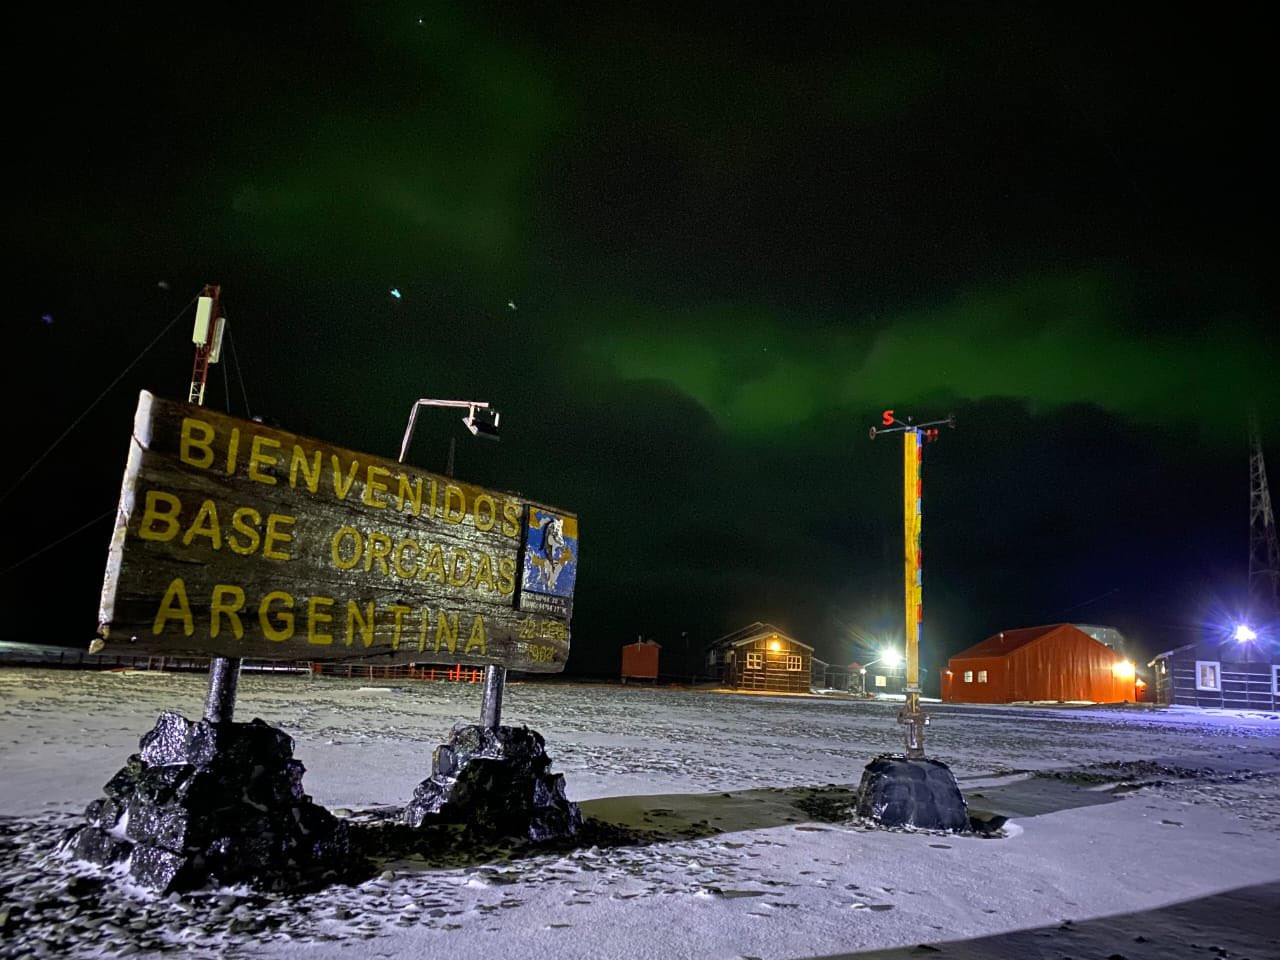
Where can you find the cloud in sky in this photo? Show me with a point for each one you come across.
(1056, 340)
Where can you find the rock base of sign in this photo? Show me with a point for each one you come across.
(213, 804)
(496, 783)
(901, 791)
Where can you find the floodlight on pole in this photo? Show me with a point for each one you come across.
(478, 427)
(486, 426)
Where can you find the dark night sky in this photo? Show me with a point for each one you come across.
(731, 240)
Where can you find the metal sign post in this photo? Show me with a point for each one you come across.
(224, 672)
(495, 677)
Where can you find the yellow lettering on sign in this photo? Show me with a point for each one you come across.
(275, 535)
(232, 447)
(357, 547)
(152, 513)
(410, 494)
(315, 617)
(227, 600)
(484, 504)
(406, 569)
(432, 512)
(342, 483)
(510, 518)
(365, 623)
(477, 638)
(205, 525)
(282, 627)
(434, 565)
(380, 550)
(175, 606)
(457, 579)
(250, 530)
(446, 631)
(195, 447)
(506, 575)
(484, 574)
(399, 612)
(455, 504)
(372, 487)
(310, 471)
(422, 632)
(259, 458)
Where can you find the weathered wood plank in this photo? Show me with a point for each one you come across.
(233, 538)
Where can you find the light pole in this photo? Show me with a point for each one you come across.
(495, 677)
(890, 657)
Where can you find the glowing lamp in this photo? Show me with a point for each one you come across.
(1244, 634)
(774, 645)
(1124, 669)
(891, 658)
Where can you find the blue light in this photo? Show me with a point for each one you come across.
(395, 292)
(1244, 634)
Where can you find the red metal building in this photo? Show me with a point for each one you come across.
(1054, 662)
(640, 661)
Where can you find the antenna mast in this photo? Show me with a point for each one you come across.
(207, 336)
(1264, 551)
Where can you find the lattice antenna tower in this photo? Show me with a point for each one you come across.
(1264, 550)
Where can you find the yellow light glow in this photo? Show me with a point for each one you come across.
(1124, 669)
(775, 646)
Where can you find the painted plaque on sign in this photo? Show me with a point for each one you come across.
(237, 539)
(550, 565)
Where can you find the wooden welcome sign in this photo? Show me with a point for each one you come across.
(234, 539)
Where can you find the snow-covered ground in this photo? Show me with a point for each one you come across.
(1135, 833)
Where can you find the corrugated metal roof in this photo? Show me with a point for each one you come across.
(1007, 641)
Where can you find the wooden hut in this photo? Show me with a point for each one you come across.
(761, 657)
(1231, 674)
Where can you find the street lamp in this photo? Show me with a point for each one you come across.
(495, 677)
(890, 658)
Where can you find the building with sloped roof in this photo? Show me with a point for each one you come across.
(1240, 675)
(761, 657)
(1056, 661)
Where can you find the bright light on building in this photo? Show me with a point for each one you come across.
(891, 658)
(1244, 634)
(774, 645)
(1124, 669)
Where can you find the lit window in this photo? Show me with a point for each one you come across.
(982, 676)
(968, 676)
(1207, 677)
(755, 660)
(881, 681)
(794, 661)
